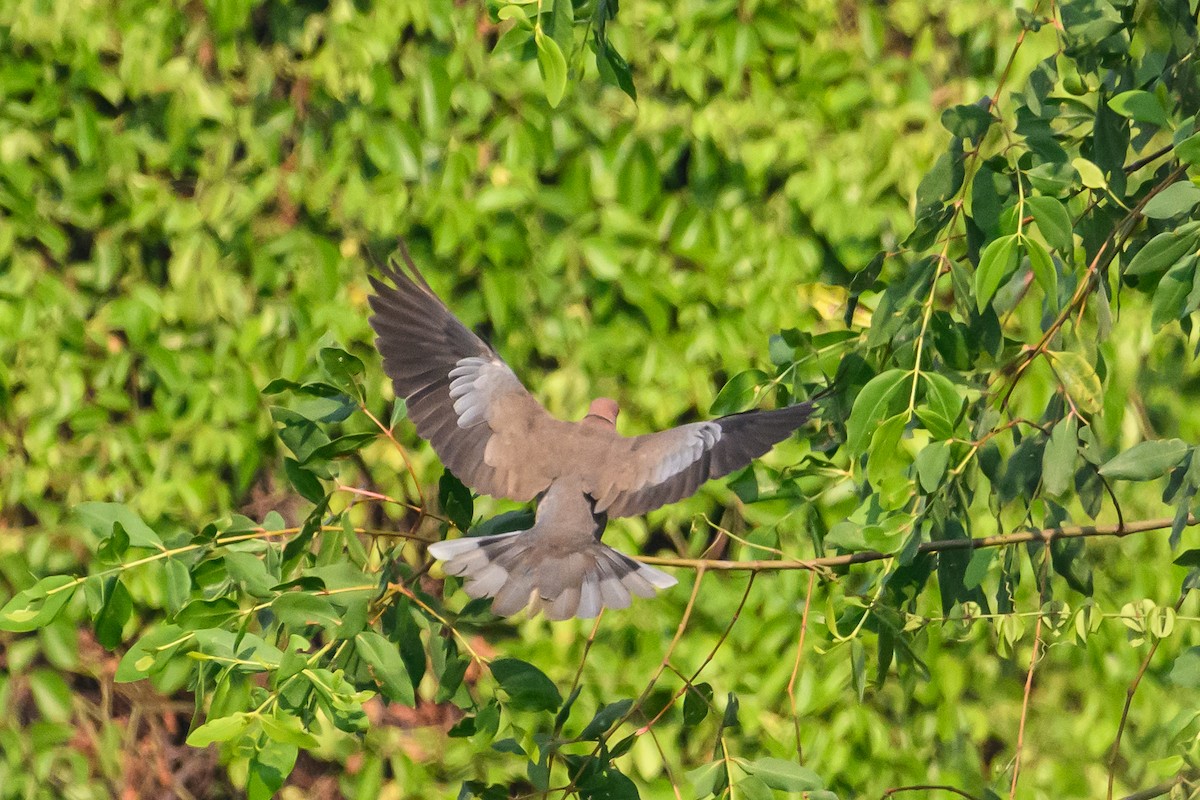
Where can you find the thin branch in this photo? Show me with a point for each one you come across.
(791, 686)
(666, 766)
(407, 462)
(1104, 256)
(1045, 535)
(689, 682)
(645, 695)
(1163, 788)
(1115, 753)
(928, 787)
(1134, 166)
(1033, 660)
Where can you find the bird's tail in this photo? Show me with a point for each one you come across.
(516, 571)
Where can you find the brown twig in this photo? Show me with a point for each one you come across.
(791, 686)
(1033, 659)
(1045, 535)
(407, 463)
(689, 682)
(662, 666)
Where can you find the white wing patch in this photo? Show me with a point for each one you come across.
(474, 381)
(700, 439)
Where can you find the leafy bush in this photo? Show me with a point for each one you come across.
(914, 597)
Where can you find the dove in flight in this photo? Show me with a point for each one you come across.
(497, 439)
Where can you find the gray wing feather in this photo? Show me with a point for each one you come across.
(671, 465)
(460, 394)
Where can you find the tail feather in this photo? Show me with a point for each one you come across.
(448, 549)
(516, 572)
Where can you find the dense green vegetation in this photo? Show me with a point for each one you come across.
(977, 223)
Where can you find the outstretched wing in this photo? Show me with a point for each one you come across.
(461, 395)
(670, 465)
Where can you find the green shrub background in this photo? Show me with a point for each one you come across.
(191, 198)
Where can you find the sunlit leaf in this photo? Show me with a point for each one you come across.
(998, 262)
(553, 66)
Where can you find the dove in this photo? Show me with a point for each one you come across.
(492, 434)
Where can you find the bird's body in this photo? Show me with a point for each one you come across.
(496, 438)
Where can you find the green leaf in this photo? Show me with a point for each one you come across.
(1069, 559)
(286, 729)
(970, 121)
(1146, 460)
(342, 445)
(303, 481)
(507, 522)
(1053, 221)
(613, 68)
(456, 500)
(784, 776)
(1170, 300)
(1188, 558)
(931, 465)
(705, 779)
(207, 613)
(858, 668)
(887, 459)
(118, 606)
(1058, 460)
(1185, 672)
(343, 370)
(1188, 150)
(145, 656)
(300, 609)
(399, 412)
(1089, 174)
(249, 572)
(387, 667)
(38, 605)
(739, 393)
(102, 517)
(998, 262)
(514, 12)
(1043, 269)
(977, 567)
(1140, 106)
(608, 785)
(752, 788)
(222, 729)
(553, 66)
(605, 717)
(1176, 199)
(1165, 250)
(942, 397)
(872, 405)
(696, 704)
(1079, 379)
(269, 768)
(527, 687)
(178, 584)
(300, 435)
(943, 181)
(730, 718)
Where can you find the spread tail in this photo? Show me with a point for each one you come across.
(514, 570)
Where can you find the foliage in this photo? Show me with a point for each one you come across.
(917, 593)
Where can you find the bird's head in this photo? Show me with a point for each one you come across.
(604, 408)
